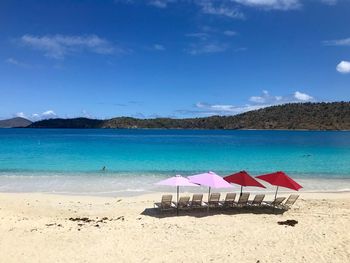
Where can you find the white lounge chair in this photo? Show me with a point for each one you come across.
(229, 200)
(166, 204)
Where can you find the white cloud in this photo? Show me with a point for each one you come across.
(302, 96)
(44, 115)
(158, 47)
(124, 1)
(230, 33)
(37, 116)
(271, 4)
(220, 8)
(86, 114)
(15, 62)
(21, 115)
(221, 109)
(58, 46)
(205, 48)
(240, 49)
(208, 41)
(265, 98)
(199, 35)
(337, 42)
(329, 2)
(343, 67)
(49, 114)
(160, 3)
(230, 8)
(257, 99)
(255, 102)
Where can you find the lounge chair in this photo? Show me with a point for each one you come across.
(166, 204)
(197, 201)
(275, 203)
(290, 201)
(243, 199)
(214, 200)
(229, 200)
(184, 203)
(257, 200)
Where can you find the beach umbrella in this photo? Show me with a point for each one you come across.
(177, 181)
(210, 179)
(280, 179)
(242, 178)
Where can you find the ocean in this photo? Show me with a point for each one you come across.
(72, 160)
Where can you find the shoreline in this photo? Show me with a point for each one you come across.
(136, 194)
(140, 185)
(176, 129)
(38, 227)
(155, 195)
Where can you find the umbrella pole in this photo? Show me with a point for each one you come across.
(177, 203)
(241, 190)
(276, 193)
(208, 199)
(273, 209)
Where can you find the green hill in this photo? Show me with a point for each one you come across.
(308, 116)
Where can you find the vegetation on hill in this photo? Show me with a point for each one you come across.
(308, 116)
(76, 123)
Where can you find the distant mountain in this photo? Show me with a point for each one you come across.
(17, 122)
(303, 116)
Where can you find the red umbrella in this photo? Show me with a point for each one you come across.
(280, 179)
(243, 179)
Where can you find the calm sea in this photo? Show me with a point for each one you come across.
(71, 160)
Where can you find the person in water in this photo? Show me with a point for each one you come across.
(103, 168)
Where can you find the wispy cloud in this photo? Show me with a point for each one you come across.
(158, 47)
(220, 8)
(241, 49)
(208, 42)
(330, 2)
(255, 102)
(267, 98)
(37, 116)
(21, 115)
(16, 62)
(230, 33)
(343, 67)
(199, 35)
(160, 3)
(271, 4)
(58, 46)
(205, 48)
(337, 42)
(302, 97)
(229, 8)
(113, 104)
(49, 114)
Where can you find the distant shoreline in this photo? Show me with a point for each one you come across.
(334, 116)
(188, 129)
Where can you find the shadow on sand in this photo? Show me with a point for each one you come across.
(153, 212)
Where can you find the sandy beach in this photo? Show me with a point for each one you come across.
(47, 228)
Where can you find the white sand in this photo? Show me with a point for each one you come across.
(35, 228)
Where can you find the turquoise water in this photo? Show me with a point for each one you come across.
(158, 153)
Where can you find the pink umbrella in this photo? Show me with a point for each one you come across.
(210, 179)
(177, 181)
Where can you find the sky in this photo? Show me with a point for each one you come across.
(170, 58)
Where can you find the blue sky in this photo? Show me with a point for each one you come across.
(170, 58)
